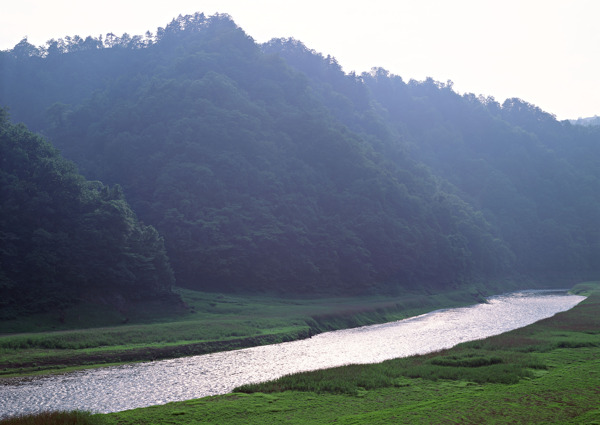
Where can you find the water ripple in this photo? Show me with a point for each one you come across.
(126, 387)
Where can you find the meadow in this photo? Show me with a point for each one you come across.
(548, 372)
(92, 336)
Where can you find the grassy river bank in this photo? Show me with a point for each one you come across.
(548, 372)
(93, 336)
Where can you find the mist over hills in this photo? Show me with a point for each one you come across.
(595, 120)
(266, 168)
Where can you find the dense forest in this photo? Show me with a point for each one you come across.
(66, 239)
(267, 168)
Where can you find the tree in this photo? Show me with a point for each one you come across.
(64, 238)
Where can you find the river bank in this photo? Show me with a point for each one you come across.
(550, 366)
(209, 323)
(547, 372)
(146, 384)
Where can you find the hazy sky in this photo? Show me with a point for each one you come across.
(546, 52)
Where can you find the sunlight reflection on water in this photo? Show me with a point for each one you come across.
(126, 387)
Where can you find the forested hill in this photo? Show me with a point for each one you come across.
(65, 239)
(267, 168)
(595, 120)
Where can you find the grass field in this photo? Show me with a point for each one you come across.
(87, 337)
(548, 372)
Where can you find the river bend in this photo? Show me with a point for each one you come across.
(112, 389)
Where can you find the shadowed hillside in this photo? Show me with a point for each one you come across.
(269, 169)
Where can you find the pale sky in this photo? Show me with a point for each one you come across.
(546, 52)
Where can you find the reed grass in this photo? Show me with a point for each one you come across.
(54, 418)
(505, 358)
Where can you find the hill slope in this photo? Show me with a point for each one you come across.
(64, 239)
(268, 169)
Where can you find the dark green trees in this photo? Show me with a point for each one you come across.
(64, 238)
(532, 177)
(258, 182)
(267, 168)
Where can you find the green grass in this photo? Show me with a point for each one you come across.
(548, 372)
(54, 418)
(208, 323)
(585, 288)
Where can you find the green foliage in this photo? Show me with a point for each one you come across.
(267, 168)
(255, 182)
(530, 175)
(65, 238)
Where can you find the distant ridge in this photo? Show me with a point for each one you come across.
(595, 120)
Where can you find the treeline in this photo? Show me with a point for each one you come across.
(74, 44)
(532, 177)
(267, 168)
(595, 120)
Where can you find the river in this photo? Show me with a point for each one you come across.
(112, 389)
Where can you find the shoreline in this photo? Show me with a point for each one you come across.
(492, 361)
(310, 320)
(546, 372)
(257, 323)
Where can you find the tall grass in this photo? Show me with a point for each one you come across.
(468, 365)
(504, 359)
(54, 418)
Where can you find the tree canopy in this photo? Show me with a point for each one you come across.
(267, 168)
(63, 238)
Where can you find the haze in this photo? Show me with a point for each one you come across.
(544, 52)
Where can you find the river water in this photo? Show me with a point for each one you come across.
(126, 387)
